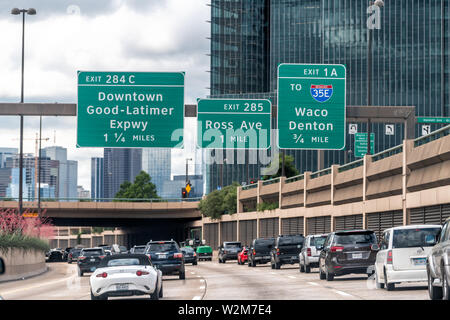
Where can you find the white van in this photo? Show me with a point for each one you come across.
(403, 254)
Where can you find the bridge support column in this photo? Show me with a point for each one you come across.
(366, 160)
(408, 146)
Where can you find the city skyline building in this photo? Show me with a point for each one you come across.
(119, 165)
(97, 179)
(157, 163)
(410, 62)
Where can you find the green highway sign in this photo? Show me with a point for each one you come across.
(130, 109)
(361, 144)
(311, 106)
(234, 123)
(436, 120)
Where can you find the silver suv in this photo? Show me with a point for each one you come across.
(438, 266)
(309, 256)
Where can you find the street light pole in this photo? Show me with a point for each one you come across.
(187, 169)
(17, 11)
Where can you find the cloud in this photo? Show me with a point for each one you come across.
(119, 35)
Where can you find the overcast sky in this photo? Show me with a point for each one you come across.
(101, 35)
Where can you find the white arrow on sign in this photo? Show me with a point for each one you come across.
(353, 128)
(426, 130)
(390, 130)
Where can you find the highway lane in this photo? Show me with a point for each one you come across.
(214, 281)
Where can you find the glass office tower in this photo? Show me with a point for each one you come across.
(410, 58)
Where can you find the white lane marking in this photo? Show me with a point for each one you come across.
(198, 276)
(272, 273)
(313, 283)
(37, 286)
(192, 272)
(202, 280)
(202, 288)
(292, 277)
(343, 293)
(197, 298)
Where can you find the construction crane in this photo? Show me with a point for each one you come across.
(36, 158)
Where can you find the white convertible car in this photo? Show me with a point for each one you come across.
(126, 275)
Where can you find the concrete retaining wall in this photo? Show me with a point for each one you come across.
(21, 263)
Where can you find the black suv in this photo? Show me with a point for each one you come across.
(286, 250)
(229, 251)
(348, 252)
(167, 257)
(259, 251)
(89, 259)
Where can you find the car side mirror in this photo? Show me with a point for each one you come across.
(375, 247)
(430, 239)
(2, 266)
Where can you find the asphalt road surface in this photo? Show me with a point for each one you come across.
(214, 281)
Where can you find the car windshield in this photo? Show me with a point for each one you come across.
(92, 253)
(123, 262)
(317, 241)
(122, 248)
(264, 243)
(232, 245)
(106, 247)
(139, 249)
(187, 250)
(356, 238)
(162, 247)
(75, 251)
(291, 241)
(409, 238)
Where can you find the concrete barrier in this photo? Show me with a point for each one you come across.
(20, 263)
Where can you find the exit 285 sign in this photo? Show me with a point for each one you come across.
(311, 107)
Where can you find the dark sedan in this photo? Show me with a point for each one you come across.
(190, 256)
(89, 259)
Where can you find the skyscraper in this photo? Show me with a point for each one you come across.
(5, 172)
(68, 171)
(97, 178)
(157, 163)
(120, 165)
(410, 59)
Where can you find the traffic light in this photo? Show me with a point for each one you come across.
(184, 193)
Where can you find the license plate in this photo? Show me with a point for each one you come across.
(120, 287)
(357, 256)
(420, 261)
(162, 256)
(267, 257)
(92, 260)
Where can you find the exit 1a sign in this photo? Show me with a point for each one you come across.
(311, 106)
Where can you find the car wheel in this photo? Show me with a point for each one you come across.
(272, 264)
(161, 292)
(308, 269)
(277, 265)
(378, 284)
(155, 294)
(387, 285)
(302, 267)
(182, 275)
(253, 264)
(80, 273)
(435, 293)
(321, 274)
(70, 262)
(194, 263)
(329, 276)
(249, 263)
(94, 297)
(445, 288)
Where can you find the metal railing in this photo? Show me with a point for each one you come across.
(250, 186)
(387, 153)
(445, 131)
(321, 173)
(351, 165)
(271, 181)
(103, 200)
(295, 179)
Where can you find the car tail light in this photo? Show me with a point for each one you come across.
(149, 256)
(278, 251)
(254, 252)
(389, 257)
(81, 258)
(337, 249)
(178, 255)
(102, 275)
(141, 273)
(308, 252)
(101, 257)
(195, 254)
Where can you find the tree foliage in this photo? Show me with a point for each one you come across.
(220, 202)
(289, 167)
(142, 188)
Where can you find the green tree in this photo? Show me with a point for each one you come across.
(289, 168)
(220, 202)
(142, 188)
